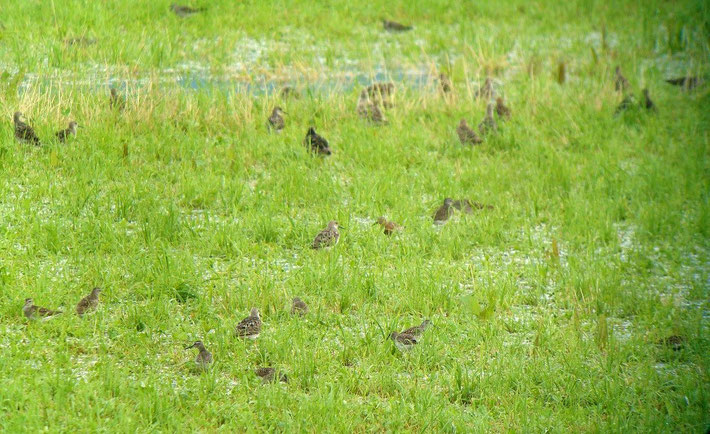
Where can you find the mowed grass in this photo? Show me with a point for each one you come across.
(547, 309)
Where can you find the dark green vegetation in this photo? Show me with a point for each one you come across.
(547, 310)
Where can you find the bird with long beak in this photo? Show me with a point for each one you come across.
(327, 237)
(63, 135)
(204, 357)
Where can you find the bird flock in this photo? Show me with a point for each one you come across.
(371, 105)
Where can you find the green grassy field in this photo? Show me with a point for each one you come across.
(547, 309)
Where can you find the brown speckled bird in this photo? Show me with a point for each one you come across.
(276, 120)
(403, 341)
(298, 307)
(327, 237)
(23, 132)
(394, 26)
(444, 212)
(250, 327)
(489, 122)
(88, 303)
(184, 11)
(204, 357)
(389, 227)
(418, 330)
(268, 375)
(502, 110)
(466, 135)
(673, 342)
(445, 83)
(621, 84)
(486, 91)
(316, 143)
(380, 93)
(32, 312)
(63, 135)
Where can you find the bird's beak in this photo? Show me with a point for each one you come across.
(191, 346)
(342, 227)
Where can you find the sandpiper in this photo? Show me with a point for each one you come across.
(23, 132)
(647, 103)
(444, 212)
(389, 227)
(379, 93)
(66, 133)
(184, 11)
(276, 120)
(31, 311)
(467, 206)
(673, 342)
(327, 237)
(687, 83)
(268, 375)
(298, 307)
(116, 102)
(417, 331)
(620, 82)
(250, 327)
(204, 357)
(394, 26)
(289, 92)
(466, 135)
(502, 110)
(628, 102)
(403, 341)
(88, 303)
(445, 83)
(489, 122)
(370, 111)
(316, 142)
(486, 91)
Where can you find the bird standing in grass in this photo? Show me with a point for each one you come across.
(63, 135)
(403, 341)
(32, 312)
(316, 142)
(394, 26)
(466, 135)
(327, 237)
(116, 102)
(489, 122)
(647, 102)
(184, 11)
(268, 375)
(23, 132)
(486, 91)
(444, 212)
(298, 307)
(621, 84)
(445, 83)
(502, 110)
(276, 120)
(88, 303)
(417, 331)
(389, 226)
(250, 327)
(204, 357)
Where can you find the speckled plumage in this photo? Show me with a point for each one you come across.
(88, 303)
(32, 312)
(502, 110)
(316, 143)
(488, 123)
(394, 26)
(298, 307)
(403, 341)
(444, 212)
(184, 11)
(23, 132)
(467, 136)
(389, 227)
(327, 237)
(249, 327)
(268, 375)
(204, 357)
(276, 120)
(63, 135)
(486, 91)
(418, 330)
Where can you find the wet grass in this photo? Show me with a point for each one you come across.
(547, 309)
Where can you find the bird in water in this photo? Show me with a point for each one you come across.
(327, 237)
(63, 135)
(250, 327)
(276, 120)
(466, 135)
(316, 142)
(204, 357)
(23, 132)
(32, 312)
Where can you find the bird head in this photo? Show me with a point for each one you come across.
(255, 312)
(426, 324)
(381, 221)
(17, 117)
(311, 131)
(499, 101)
(334, 225)
(297, 300)
(448, 202)
(197, 344)
(278, 111)
(96, 291)
(28, 301)
(73, 126)
(463, 123)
